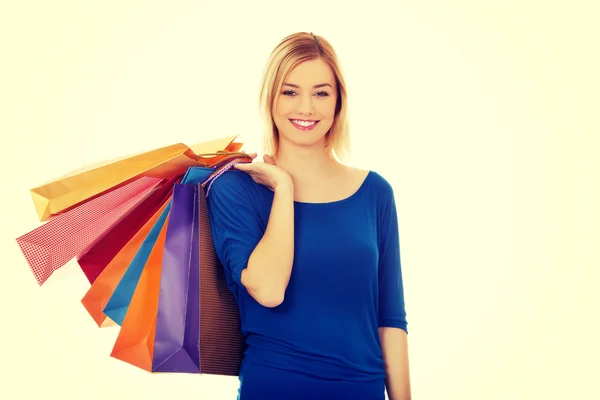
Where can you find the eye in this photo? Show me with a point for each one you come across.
(292, 93)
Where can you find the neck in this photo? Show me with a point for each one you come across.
(305, 163)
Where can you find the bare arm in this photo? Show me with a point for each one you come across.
(270, 265)
(394, 344)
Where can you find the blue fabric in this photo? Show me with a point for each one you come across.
(346, 282)
(260, 382)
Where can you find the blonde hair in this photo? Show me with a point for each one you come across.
(291, 51)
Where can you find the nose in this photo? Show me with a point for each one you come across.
(305, 105)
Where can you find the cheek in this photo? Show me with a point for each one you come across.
(284, 108)
(326, 108)
(280, 114)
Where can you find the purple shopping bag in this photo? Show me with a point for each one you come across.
(176, 347)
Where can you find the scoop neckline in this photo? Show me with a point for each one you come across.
(356, 193)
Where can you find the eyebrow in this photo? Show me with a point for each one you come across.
(314, 87)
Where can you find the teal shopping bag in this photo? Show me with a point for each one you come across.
(116, 308)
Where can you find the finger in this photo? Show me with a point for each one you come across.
(252, 155)
(268, 159)
(242, 166)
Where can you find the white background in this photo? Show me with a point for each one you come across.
(482, 114)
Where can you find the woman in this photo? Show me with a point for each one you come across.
(310, 246)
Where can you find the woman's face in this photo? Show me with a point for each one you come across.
(305, 109)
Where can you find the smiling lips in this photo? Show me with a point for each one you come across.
(303, 125)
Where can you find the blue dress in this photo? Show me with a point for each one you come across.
(322, 342)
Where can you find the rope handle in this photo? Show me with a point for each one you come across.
(224, 165)
(228, 158)
(220, 153)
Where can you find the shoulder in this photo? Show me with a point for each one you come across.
(369, 182)
(231, 184)
(379, 185)
(381, 197)
(232, 179)
(383, 201)
(235, 186)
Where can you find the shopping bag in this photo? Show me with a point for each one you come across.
(96, 259)
(222, 344)
(135, 341)
(119, 301)
(178, 336)
(53, 244)
(75, 188)
(104, 285)
(219, 342)
(117, 305)
(176, 339)
(162, 330)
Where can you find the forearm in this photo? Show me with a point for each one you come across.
(394, 344)
(270, 264)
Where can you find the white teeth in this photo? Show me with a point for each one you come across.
(304, 123)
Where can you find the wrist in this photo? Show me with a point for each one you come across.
(284, 185)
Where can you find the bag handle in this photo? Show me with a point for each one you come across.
(227, 159)
(220, 153)
(224, 165)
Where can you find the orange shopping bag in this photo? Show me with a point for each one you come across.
(82, 185)
(135, 342)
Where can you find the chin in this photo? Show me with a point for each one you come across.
(305, 141)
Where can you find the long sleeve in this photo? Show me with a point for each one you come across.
(392, 312)
(235, 223)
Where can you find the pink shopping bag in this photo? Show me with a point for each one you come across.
(52, 245)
